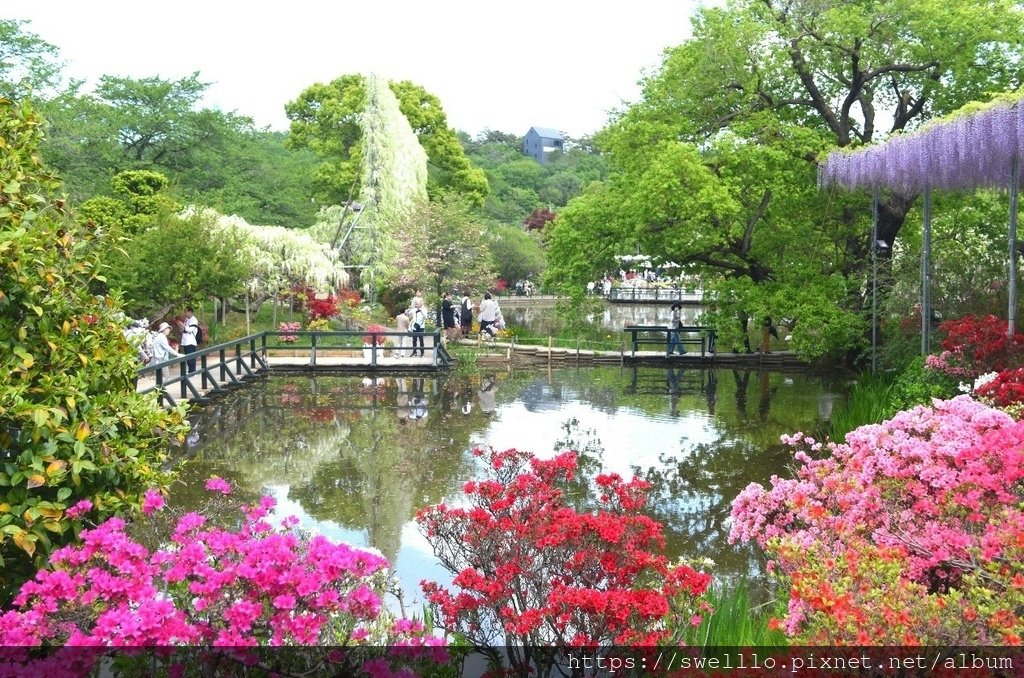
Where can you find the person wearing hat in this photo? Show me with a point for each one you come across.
(674, 324)
(161, 348)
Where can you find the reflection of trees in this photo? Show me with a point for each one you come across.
(347, 449)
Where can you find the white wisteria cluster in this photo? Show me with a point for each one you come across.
(281, 257)
(394, 179)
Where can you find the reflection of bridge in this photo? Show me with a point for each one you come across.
(225, 366)
(655, 295)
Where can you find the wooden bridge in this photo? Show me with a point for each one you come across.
(226, 366)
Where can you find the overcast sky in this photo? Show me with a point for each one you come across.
(494, 64)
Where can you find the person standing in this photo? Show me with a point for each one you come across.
(189, 334)
(488, 315)
(466, 315)
(162, 349)
(419, 324)
(402, 324)
(448, 317)
(673, 334)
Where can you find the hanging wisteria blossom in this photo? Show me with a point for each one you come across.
(972, 151)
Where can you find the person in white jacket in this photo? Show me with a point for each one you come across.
(162, 349)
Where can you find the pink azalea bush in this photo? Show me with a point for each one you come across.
(923, 511)
(207, 585)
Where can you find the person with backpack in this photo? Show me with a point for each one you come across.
(191, 336)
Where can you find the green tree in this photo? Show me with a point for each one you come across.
(445, 249)
(28, 64)
(326, 119)
(516, 254)
(72, 426)
(178, 261)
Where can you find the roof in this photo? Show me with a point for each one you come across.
(547, 132)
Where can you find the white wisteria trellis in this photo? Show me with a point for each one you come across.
(970, 150)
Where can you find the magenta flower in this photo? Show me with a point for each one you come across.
(79, 509)
(152, 501)
(218, 484)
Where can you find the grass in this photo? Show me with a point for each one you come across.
(735, 622)
(868, 402)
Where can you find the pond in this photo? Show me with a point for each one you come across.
(354, 458)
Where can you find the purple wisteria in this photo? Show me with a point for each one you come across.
(970, 151)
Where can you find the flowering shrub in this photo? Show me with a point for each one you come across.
(323, 309)
(374, 334)
(975, 345)
(929, 502)
(1005, 389)
(532, 571)
(208, 586)
(289, 327)
(349, 297)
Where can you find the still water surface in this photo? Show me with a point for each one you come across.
(355, 458)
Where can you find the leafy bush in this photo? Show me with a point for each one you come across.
(532, 571)
(918, 385)
(71, 424)
(911, 532)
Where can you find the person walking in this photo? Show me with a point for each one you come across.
(488, 315)
(419, 324)
(162, 349)
(402, 323)
(189, 337)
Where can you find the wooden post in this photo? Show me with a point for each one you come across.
(549, 351)
(248, 329)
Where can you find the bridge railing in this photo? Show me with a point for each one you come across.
(656, 294)
(217, 368)
(317, 343)
(226, 365)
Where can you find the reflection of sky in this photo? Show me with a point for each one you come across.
(629, 438)
(415, 560)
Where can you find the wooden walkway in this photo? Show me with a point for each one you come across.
(224, 367)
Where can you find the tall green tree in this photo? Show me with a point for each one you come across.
(326, 119)
(715, 166)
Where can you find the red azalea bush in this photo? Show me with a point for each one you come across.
(533, 571)
(374, 334)
(349, 297)
(976, 345)
(1005, 390)
(912, 531)
(322, 309)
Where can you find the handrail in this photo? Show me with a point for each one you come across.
(246, 357)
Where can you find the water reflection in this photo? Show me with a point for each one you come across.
(355, 458)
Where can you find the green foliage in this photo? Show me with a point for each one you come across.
(918, 385)
(869, 401)
(517, 255)
(139, 199)
(214, 158)
(733, 621)
(71, 425)
(178, 261)
(28, 64)
(328, 120)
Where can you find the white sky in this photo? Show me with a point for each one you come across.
(494, 64)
